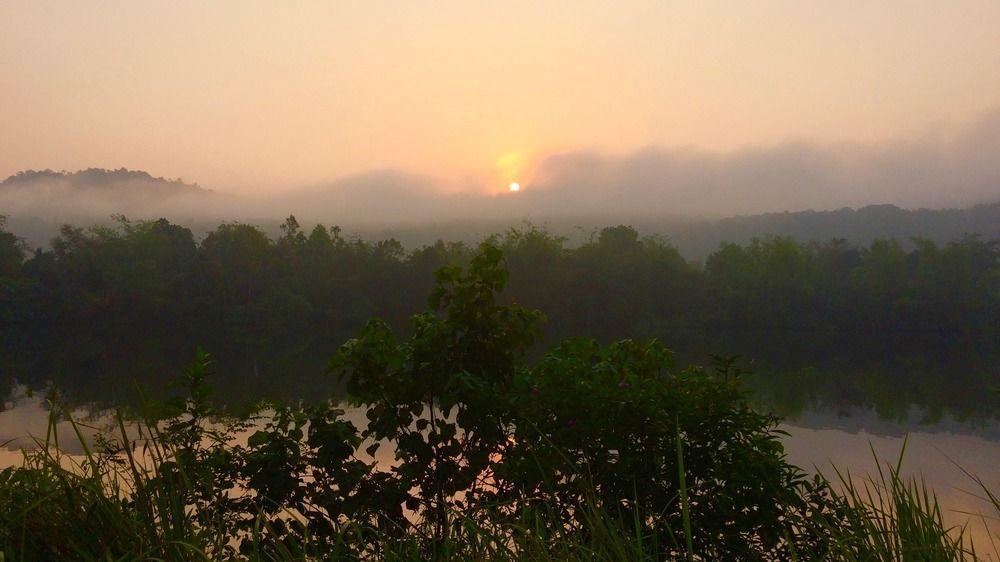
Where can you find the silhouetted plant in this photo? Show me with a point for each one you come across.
(470, 451)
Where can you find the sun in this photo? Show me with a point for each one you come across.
(515, 187)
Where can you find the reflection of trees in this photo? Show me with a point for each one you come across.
(789, 374)
(106, 308)
(889, 375)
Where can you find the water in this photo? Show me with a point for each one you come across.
(841, 400)
(934, 457)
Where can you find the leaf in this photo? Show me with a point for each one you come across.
(258, 439)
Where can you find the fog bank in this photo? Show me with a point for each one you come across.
(935, 169)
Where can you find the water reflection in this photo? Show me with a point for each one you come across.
(932, 455)
(905, 379)
(839, 394)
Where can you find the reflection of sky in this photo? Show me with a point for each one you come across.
(25, 418)
(930, 455)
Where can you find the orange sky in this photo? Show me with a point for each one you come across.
(250, 96)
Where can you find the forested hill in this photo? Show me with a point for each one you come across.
(697, 238)
(96, 178)
(859, 226)
(38, 203)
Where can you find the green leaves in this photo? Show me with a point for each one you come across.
(479, 435)
(441, 397)
(473, 425)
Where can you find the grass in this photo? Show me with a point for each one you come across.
(898, 519)
(117, 507)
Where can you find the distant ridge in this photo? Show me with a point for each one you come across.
(98, 178)
(857, 226)
(870, 221)
(698, 237)
(37, 202)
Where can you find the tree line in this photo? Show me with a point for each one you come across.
(239, 285)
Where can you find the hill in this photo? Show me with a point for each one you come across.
(38, 202)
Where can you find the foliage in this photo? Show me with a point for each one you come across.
(469, 451)
(103, 304)
(890, 518)
(237, 283)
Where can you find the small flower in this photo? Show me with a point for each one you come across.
(535, 391)
(570, 423)
(623, 385)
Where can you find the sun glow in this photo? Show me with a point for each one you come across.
(509, 170)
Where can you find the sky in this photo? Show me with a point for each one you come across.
(250, 97)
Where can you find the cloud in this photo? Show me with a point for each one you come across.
(936, 169)
(376, 197)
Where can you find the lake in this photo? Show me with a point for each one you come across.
(843, 400)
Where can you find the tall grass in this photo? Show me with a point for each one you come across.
(893, 518)
(115, 507)
(58, 506)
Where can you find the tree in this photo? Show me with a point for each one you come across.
(12, 251)
(477, 430)
(441, 396)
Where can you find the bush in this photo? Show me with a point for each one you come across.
(592, 452)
